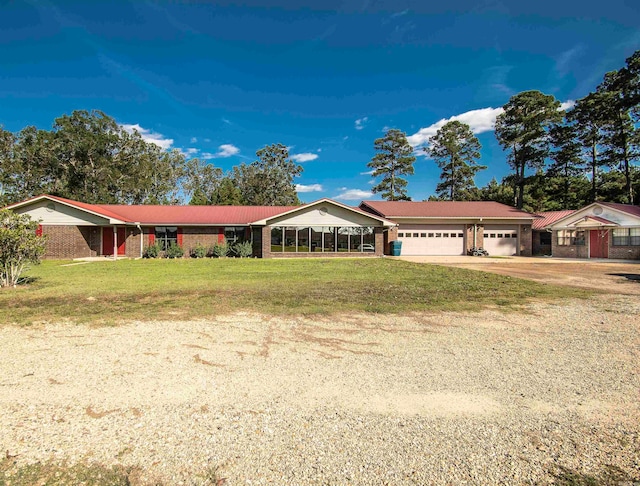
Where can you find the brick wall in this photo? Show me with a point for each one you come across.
(205, 235)
(72, 241)
(132, 242)
(567, 251)
(624, 252)
(526, 240)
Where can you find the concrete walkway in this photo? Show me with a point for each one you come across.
(471, 260)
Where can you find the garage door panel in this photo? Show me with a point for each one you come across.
(501, 240)
(432, 239)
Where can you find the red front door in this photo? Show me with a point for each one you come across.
(107, 241)
(599, 243)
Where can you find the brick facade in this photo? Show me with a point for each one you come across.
(72, 241)
(582, 251)
(525, 239)
(624, 252)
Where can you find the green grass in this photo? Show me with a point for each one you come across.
(109, 292)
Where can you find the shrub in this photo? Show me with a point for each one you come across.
(220, 250)
(244, 249)
(19, 246)
(152, 251)
(200, 251)
(174, 251)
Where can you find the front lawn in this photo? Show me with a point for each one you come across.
(109, 292)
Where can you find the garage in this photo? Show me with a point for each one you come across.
(501, 240)
(421, 239)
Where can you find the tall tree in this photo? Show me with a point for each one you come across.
(202, 180)
(622, 137)
(588, 119)
(394, 159)
(455, 150)
(567, 166)
(268, 181)
(523, 128)
(227, 193)
(7, 140)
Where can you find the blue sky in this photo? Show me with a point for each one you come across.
(326, 78)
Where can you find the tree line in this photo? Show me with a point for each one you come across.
(88, 157)
(560, 159)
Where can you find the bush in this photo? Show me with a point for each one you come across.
(220, 250)
(152, 251)
(244, 249)
(200, 251)
(174, 251)
(19, 246)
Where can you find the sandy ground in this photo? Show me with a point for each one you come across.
(618, 277)
(446, 398)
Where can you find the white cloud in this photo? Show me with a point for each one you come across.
(567, 104)
(480, 121)
(369, 172)
(319, 150)
(309, 188)
(194, 140)
(149, 136)
(360, 122)
(188, 152)
(353, 194)
(304, 157)
(225, 150)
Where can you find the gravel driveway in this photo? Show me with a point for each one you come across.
(486, 398)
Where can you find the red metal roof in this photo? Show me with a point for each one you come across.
(193, 215)
(445, 209)
(549, 217)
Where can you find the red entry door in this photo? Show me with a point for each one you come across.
(107, 241)
(599, 244)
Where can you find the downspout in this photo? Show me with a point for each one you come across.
(141, 237)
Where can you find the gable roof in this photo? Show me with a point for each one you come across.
(445, 209)
(627, 209)
(325, 200)
(549, 217)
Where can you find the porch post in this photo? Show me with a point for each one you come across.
(115, 242)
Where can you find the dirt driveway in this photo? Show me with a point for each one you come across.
(619, 277)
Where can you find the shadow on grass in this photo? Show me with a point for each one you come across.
(608, 476)
(634, 277)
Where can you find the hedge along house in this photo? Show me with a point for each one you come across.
(454, 227)
(599, 230)
(324, 227)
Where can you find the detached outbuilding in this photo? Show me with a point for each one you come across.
(322, 228)
(599, 230)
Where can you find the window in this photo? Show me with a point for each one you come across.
(486, 235)
(460, 235)
(165, 236)
(626, 237)
(445, 235)
(276, 239)
(430, 235)
(570, 237)
(438, 235)
(415, 235)
(423, 235)
(407, 235)
(235, 234)
(400, 235)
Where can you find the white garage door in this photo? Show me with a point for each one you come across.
(501, 240)
(431, 239)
